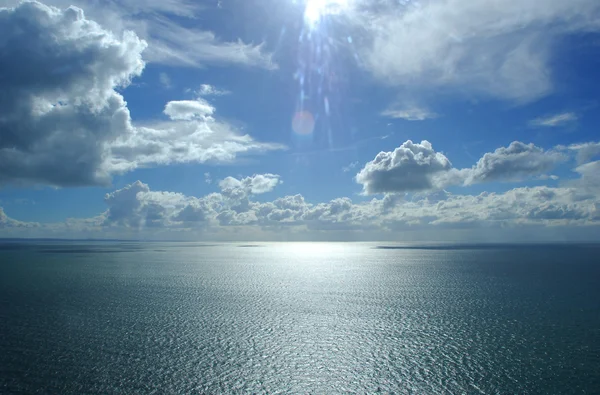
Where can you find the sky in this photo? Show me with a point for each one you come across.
(349, 120)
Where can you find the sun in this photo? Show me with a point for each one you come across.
(315, 10)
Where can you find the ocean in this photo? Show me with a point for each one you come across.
(320, 318)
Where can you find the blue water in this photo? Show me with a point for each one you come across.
(319, 318)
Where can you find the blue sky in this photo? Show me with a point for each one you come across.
(399, 120)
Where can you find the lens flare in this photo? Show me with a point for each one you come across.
(315, 10)
(303, 123)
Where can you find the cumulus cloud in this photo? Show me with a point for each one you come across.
(418, 167)
(188, 109)
(137, 211)
(410, 167)
(554, 120)
(513, 163)
(62, 120)
(539, 205)
(59, 109)
(500, 49)
(136, 206)
(124, 205)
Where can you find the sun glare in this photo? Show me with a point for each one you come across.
(315, 10)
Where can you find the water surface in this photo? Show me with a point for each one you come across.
(117, 317)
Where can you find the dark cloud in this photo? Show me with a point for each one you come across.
(58, 106)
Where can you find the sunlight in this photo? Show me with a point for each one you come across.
(317, 9)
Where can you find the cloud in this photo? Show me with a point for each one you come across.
(172, 40)
(590, 176)
(59, 109)
(495, 49)
(137, 207)
(135, 211)
(62, 120)
(584, 151)
(350, 167)
(199, 140)
(165, 80)
(513, 163)
(176, 45)
(124, 206)
(545, 177)
(256, 184)
(519, 206)
(188, 110)
(409, 113)
(554, 120)
(410, 167)
(417, 167)
(9, 223)
(209, 90)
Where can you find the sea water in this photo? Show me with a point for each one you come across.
(322, 318)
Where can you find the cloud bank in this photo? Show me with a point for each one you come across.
(136, 211)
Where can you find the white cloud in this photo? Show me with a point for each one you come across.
(554, 120)
(409, 113)
(256, 184)
(136, 207)
(590, 176)
(171, 42)
(176, 45)
(62, 121)
(199, 140)
(418, 167)
(496, 48)
(410, 167)
(584, 151)
(188, 110)
(539, 205)
(9, 223)
(136, 211)
(545, 177)
(351, 166)
(513, 163)
(209, 90)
